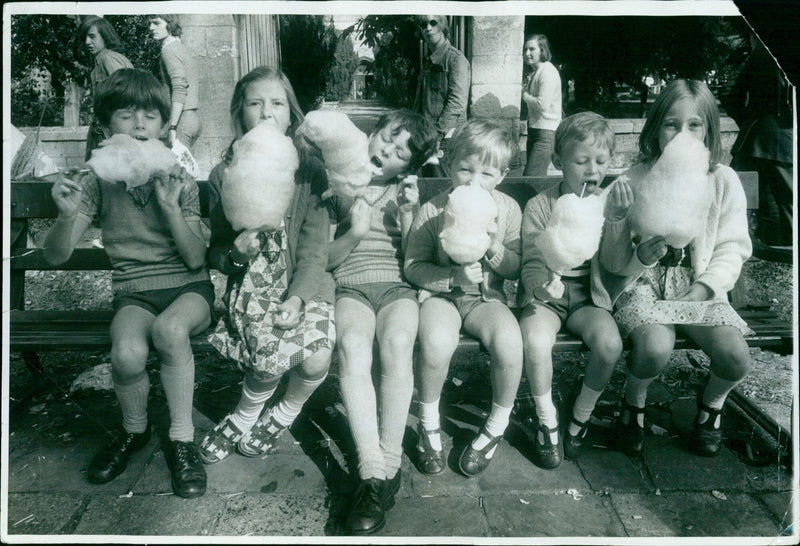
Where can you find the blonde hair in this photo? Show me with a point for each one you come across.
(483, 137)
(582, 126)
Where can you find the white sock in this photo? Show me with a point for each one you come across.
(636, 393)
(395, 393)
(177, 377)
(584, 405)
(495, 425)
(547, 414)
(255, 393)
(298, 391)
(133, 403)
(715, 394)
(430, 420)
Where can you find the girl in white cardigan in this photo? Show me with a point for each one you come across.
(663, 289)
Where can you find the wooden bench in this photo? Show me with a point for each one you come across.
(46, 330)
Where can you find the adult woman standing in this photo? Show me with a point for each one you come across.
(102, 42)
(542, 94)
(178, 71)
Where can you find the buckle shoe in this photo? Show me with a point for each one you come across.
(219, 442)
(188, 473)
(474, 461)
(547, 455)
(430, 461)
(628, 437)
(261, 439)
(112, 459)
(574, 444)
(706, 438)
(366, 514)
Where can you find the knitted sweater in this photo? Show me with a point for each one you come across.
(178, 71)
(717, 254)
(544, 106)
(136, 238)
(535, 272)
(378, 257)
(306, 224)
(428, 266)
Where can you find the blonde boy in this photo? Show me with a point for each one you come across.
(469, 295)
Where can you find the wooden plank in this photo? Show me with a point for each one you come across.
(82, 259)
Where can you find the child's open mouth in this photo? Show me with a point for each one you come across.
(139, 137)
(377, 162)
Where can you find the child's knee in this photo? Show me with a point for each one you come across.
(316, 365)
(129, 356)
(169, 334)
(438, 342)
(398, 344)
(607, 348)
(731, 361)
(537, 340)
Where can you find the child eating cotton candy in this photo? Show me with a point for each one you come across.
(470, 219)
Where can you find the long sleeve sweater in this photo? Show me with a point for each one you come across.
(717, 254)
(306, 224)
(179, 72)
(106, 63)
(544, 98)
(428, 266)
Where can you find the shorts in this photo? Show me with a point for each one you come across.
(577, 294)
(464, 303)
(377, 295)
(156, 301)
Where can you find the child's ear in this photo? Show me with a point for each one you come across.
(556, 161)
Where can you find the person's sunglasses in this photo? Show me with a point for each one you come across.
(424, 24)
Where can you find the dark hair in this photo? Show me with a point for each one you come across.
(582, 126)
(696, 90)
(107, 32)
(544, 45)
(130, 87)
(237, 102)
(423, 138)
(172, 20)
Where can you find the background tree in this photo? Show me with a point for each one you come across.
(340, 76)
(394, 40)
(307, 48)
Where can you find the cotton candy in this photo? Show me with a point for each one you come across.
(470, 218)
(674, 198)
(126, 159)
(258, 184)
(572, 235)
(345, 151)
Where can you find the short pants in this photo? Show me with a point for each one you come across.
(464, 303)
(577, 294)
(156, 301)
(377, 295)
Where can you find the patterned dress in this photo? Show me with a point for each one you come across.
(248, 335)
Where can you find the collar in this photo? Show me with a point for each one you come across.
(437, 55)
(168, 40)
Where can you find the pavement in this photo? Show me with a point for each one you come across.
(301, 490)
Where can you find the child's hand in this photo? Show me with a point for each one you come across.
(408, 199)
(696, 292)
(247, 244)
(288, 313)
(67, 193)
(620, 199)
(360, 218)
(168, 187)
(652, 250)
(467, 274)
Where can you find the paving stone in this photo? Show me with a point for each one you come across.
(55, 470)
(551, 515)
(446, 516)
(30, 514)
(272, 515)
(607, 470)
(673, 467)
(780, 504)
(284, 473)
(693, 514)
(150, 515)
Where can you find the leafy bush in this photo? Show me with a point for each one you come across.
(307, 48)
(340, 76)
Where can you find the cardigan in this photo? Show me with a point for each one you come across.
(717, 253)
(178, 71)
(544, 107)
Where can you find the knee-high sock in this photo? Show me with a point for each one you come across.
(255, 393)
(177, 376)
(132, 399)
(395, 399)
(358, 395)
(297, 393)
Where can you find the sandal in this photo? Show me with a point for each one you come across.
(219, 442)
(574, 444)
(431, 461)
(262, 437)
(474, 461)
(706, 438)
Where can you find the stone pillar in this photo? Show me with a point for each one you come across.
(212, 40)
(496, 46)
